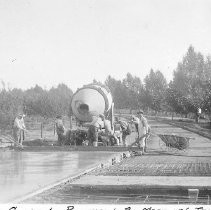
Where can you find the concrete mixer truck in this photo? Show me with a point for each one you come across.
(91, 99)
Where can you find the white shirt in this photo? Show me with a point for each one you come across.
(96, 121)
(19, 123)
(143, 126)
(107, 126)
(136, 120)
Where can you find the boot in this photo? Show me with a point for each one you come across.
(141, 151)
(145, 150)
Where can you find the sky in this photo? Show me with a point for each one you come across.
(47, 42)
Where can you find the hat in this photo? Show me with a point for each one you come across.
(140, 111)
(101, 116)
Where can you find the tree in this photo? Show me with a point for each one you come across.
(155, 88)
(189, 79)
(175, 101)
(11, 102)
(48, 103)
(118, 92)
(207, 88)
(60, 98)
(133, 91)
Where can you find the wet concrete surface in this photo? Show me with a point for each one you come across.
(24, 172)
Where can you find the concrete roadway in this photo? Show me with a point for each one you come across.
(160, 166)
(22, 173)
(159, 169)
(161, 161)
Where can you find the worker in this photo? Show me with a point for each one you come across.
(108, 136)
(118, 130)
(18, 129)
(136, 122)
(60, 130)
(143, 129)
(125, 129)
(107, 125)
(94, 127)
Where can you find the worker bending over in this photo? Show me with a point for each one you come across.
(125, 129)
(108, 136)
(93, 128)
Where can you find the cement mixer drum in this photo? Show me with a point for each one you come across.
(95, 98)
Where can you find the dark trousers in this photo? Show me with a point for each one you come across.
(61, 138)
(92, 134)
(124, 135)
(18, 135)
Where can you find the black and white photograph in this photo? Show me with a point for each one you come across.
(105, 104)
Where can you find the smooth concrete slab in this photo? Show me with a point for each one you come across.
(22, 173)
(144, 181)
(75, 148)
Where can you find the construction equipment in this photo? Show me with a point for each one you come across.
(94, 99)
(173, 142)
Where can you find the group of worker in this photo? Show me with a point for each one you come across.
(98, 128)
(142, 129)
(19, 129)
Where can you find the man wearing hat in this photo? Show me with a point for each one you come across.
(18, 129)
(143, 130)
(60, 130)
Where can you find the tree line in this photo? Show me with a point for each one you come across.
(189, 91)
(35, 101)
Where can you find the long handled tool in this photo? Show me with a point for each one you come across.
(11, 140)
(138, 139)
